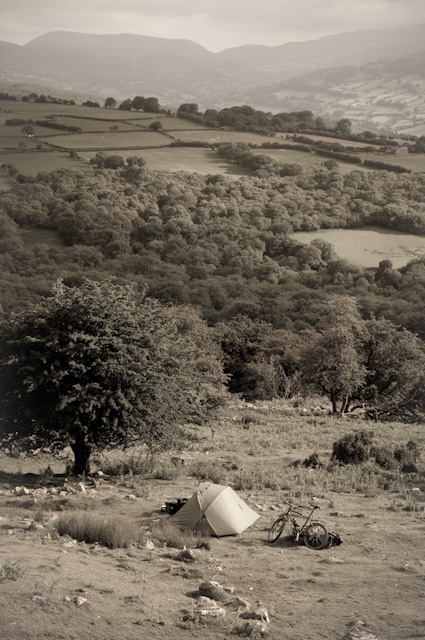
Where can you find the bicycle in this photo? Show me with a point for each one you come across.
(314, 533)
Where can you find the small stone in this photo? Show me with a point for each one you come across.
(208, 608)
(35, 526)
(187, 555)
(130, 496)
(80, 600)
(258, 614)
(229, 589)
(81, 487)
(332, 560)
(238, 604)
(38, 598)
(149, 544)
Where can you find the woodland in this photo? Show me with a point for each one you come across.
(225, 248)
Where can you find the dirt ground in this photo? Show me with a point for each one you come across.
(54, 587)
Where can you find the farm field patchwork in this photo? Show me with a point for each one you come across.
(367, 246)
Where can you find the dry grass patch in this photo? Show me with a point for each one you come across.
(172, 536)
(112, 532)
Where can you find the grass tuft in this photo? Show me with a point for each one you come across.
(172, 536)
(12, 570)
(112, 532)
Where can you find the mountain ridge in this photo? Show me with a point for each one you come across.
(180, 70)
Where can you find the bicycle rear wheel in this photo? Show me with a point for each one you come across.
(277, 527)
(316, 536)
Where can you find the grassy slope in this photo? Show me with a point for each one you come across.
(378, 575)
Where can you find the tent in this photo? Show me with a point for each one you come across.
(215, 510)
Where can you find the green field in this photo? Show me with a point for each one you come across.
(414, 162)
(36, 162)
(194, 160)
(108, 140)
(93, 125)
(367, 246)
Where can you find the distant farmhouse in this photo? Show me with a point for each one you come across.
(398, 151)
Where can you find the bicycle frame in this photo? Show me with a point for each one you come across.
(298, 530)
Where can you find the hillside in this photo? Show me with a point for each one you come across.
(49, 581)
(179, 71)
(389, 93)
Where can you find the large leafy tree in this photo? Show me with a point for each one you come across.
(356, 360)
(99, 366)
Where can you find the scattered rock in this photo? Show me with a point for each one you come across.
(68, 545)
(81, 487)
(238, 604)
(358, 632)
(130, 496)
(79, 600)
(208, 608)
(187, 555)
(38, 598)
(258, 614)
(332, 560)
(22, 491)
(250, 628)
(229, 589)
(35, 526)
(149, 544)
(41, 491)
(213, 590)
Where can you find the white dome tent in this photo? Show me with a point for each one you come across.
(215, 510)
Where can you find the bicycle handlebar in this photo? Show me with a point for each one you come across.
(298, 506)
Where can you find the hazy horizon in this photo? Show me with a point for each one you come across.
(217, 27)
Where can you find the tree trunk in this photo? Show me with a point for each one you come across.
(82, 453)
(334, 407)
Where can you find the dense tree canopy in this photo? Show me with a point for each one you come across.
(99, 366)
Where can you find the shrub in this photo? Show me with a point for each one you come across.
(207, 470)
(122, 465)
(407, 456)
(11, 570)
(250, 417)
(113, 532)
(353, 448)
(384, 457)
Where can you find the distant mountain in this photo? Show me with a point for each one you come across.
(324, 75)
(344, 49)
(123, 66)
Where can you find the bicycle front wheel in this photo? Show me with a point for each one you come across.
(316, 536)
(276, 529)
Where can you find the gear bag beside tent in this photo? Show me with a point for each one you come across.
(215, 510)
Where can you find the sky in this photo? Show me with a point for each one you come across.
(214, 24)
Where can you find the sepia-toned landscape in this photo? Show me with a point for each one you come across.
(212, 302)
